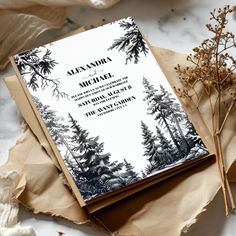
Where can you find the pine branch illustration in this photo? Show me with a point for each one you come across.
(132, 43)
(39, 67)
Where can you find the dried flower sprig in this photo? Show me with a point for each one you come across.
(211, 77)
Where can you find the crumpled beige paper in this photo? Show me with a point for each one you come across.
(16, 4)
(11, 186)
(45, 190)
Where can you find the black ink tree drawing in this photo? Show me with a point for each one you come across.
(84, 156)
(159, 107)
(57, 129)
(166, 151)
(54, 123)
(149, 142)
(97, 174)
(176, 115)
(191, 134)
(158, 149)
(180, 141)
(132, 43)
(129, 175)
(38, 64)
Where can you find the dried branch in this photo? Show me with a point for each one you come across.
(212, 76)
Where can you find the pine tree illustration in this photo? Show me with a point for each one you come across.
(90, 167)
(192, 136)
(177, 115)
(99, 175)
(167, 154)
(54, 123)
(160, 108)
(132, 43)
(149, 168)
(143, 174)
(150, 146)
(58, 129)
(150, 91)
(129, 175)
(35, 65)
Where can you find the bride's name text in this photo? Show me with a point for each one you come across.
(89, 66)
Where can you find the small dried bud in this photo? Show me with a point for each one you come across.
(196, 49)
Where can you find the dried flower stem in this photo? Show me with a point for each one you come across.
(221, 177)
(223, 171)
(226, 116)
(196, 107)
(212, 77)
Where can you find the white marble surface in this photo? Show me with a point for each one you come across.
(177, 25)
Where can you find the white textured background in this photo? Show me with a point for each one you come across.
(173, 24)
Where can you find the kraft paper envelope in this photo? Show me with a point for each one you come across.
(183, 197)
